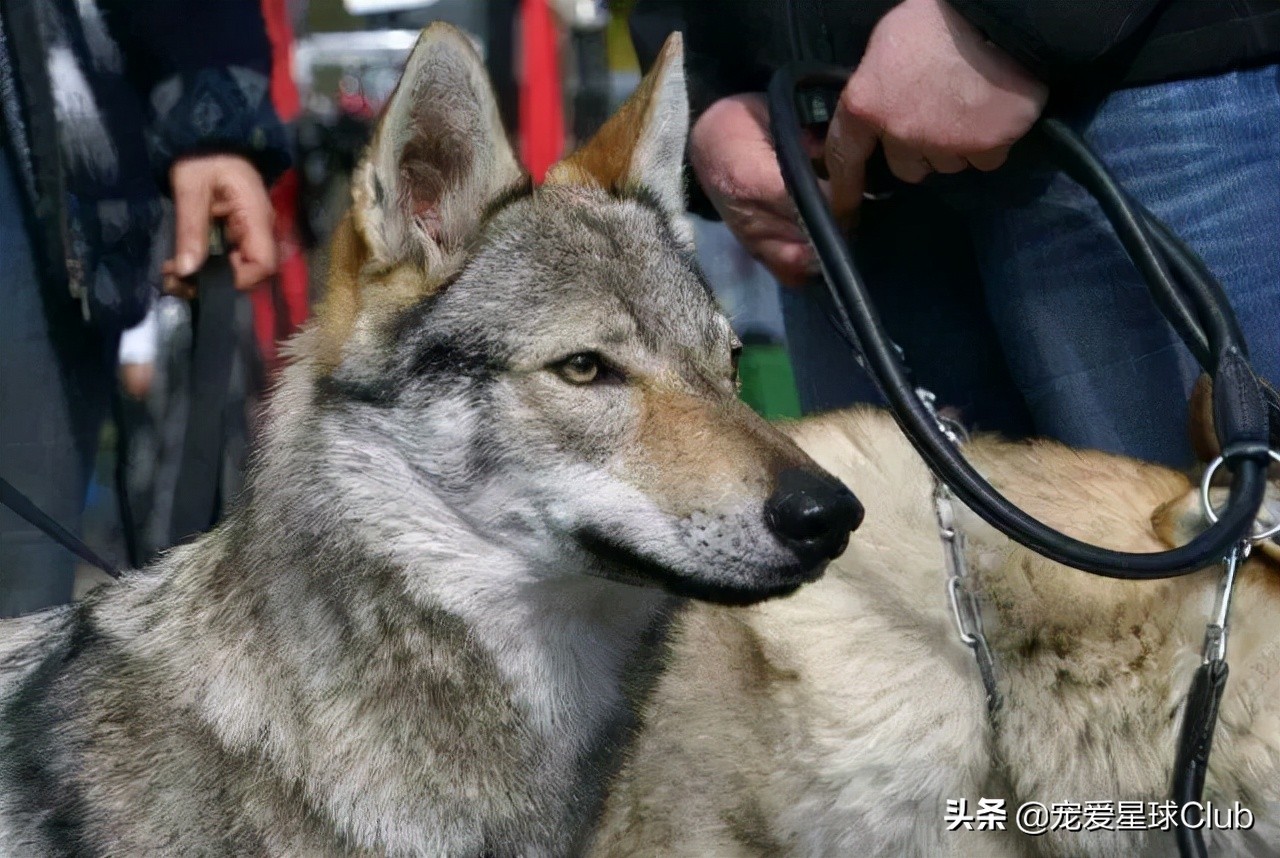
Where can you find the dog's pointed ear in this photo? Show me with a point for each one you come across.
(642, 145)
(439, 155)
(1181, 519)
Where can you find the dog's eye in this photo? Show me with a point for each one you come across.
(581, 368)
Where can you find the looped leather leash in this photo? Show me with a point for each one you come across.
(1189, 297)
(1176, 278)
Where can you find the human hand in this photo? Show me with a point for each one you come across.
(227, 188)
(935, 94)
(731, 150)
(137, 378)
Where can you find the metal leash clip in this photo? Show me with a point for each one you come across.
(1212, 514)
(1215, 634)
(1200, 718)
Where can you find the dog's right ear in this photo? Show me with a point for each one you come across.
(439, 155)
(642, 144)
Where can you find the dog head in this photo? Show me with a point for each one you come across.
(548, 364)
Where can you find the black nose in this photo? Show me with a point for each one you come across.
(813, 514)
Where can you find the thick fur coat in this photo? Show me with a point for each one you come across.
(841, 720)
(507, 446)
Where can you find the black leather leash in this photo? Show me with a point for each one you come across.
(197, 500)
(1186, 293)
(1181, 286)
(23, 506)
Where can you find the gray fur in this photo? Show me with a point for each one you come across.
(416, 633)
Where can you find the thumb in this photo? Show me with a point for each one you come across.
(850, 142)
(192, 202)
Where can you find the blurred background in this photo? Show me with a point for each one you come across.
(176, 451)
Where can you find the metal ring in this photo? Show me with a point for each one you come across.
(1208, 507)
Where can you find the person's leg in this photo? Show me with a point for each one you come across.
(53, 377)
(1097, 363)
(823, 364)
(914, 255)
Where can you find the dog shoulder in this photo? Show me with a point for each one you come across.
(34, 653)
(26, 643)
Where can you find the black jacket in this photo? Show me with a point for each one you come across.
(1082, 48)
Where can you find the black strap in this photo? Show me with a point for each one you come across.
(1194, 744)
(22, 505)
(197, 498)
(1175, 277)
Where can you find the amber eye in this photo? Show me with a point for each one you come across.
(582, 368)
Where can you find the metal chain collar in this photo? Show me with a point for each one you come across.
(965, 610)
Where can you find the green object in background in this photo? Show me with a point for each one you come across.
(768, 385)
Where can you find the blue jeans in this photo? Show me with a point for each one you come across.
(1089, 355)
(55, 377)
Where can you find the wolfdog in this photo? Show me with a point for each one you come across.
(844, 719)
(508, 445)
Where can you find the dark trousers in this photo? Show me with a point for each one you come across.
(55, 380)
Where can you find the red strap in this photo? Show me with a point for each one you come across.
(541, 110)
(280, 306)
(284, 92)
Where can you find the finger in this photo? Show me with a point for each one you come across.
(945, 162)
(250, 273)
(989, 160)
(176, 286)
(905, 161)
(192, 201)
(250, 232)
(850, 142)
(792, 263)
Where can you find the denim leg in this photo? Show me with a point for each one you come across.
(54, 374)
(823, 364)
(913, 253)
(1096, 362)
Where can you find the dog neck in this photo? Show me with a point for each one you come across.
(392, 666)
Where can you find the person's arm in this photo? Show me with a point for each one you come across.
(204, 69)
(1060, 40)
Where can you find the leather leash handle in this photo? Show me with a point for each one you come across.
(1194, 744)
(196, 492)
(1238, 404)
(1181, 284)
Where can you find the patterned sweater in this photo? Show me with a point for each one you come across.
(97, 99)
